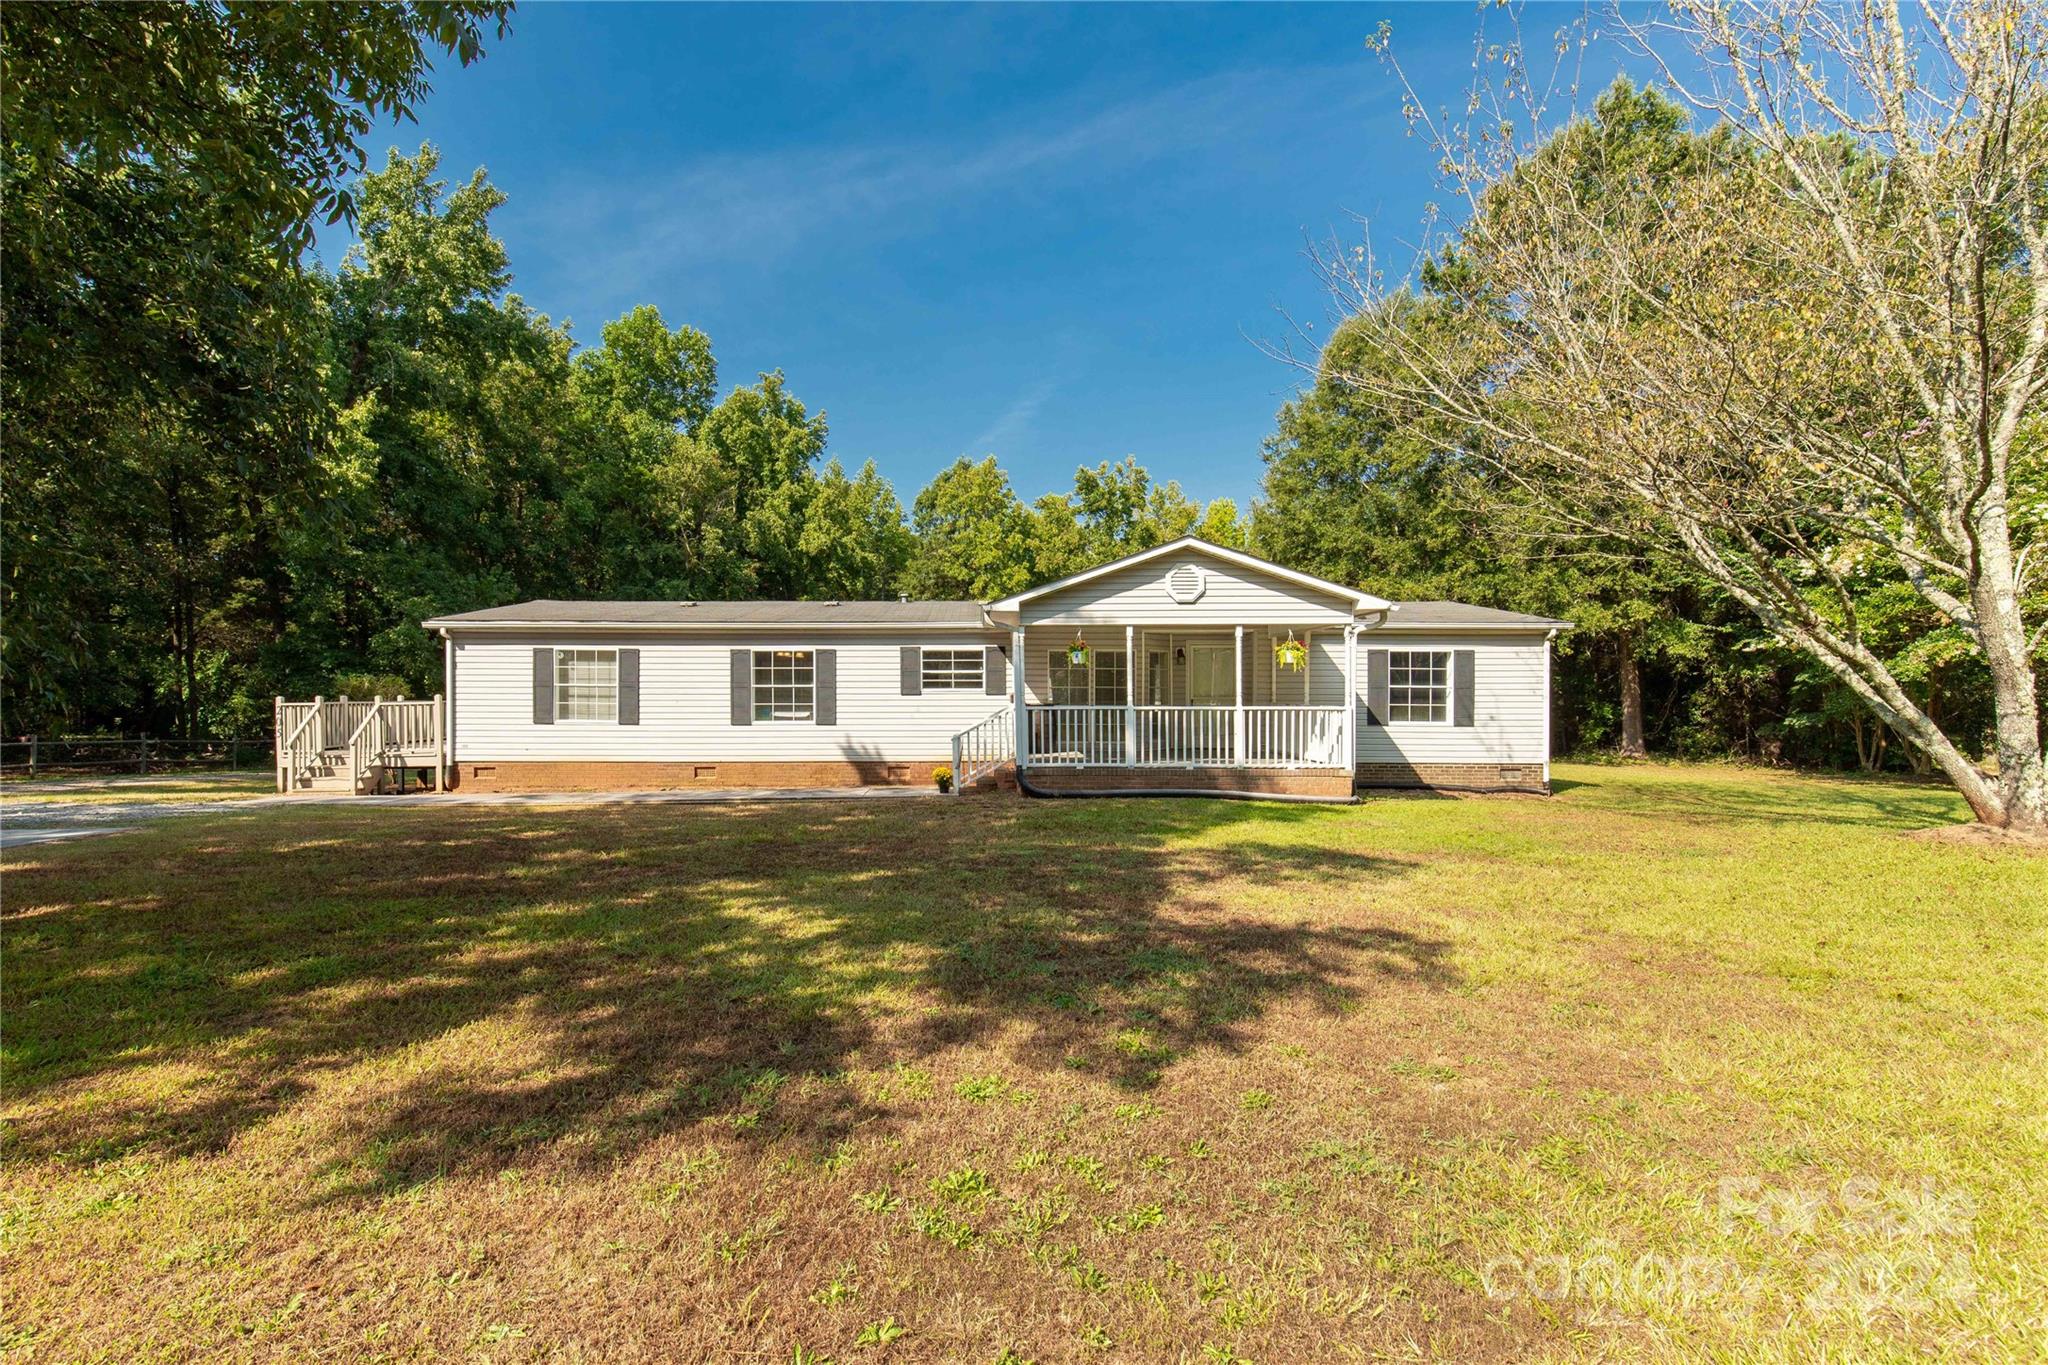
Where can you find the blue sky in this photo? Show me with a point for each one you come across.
(1049, 234)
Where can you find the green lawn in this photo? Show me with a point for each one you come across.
(1680, 1063)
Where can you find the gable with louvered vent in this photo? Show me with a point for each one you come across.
(1185, 583)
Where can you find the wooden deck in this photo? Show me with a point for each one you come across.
(358, 746)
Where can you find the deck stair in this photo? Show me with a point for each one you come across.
(985, 755)
(360, 747)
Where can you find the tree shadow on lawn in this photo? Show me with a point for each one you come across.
(1769, 796)
(649, 968)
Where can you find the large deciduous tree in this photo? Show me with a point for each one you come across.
(163, 166)
(1807, 355)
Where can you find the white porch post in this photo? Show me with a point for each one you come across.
(1546, 708)
(1130, 696)
(447, 774)
(1237, 718)
(1348, 755)
(1017, 695)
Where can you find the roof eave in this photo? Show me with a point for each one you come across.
(701, 627)
(1360, 601)
(1527, 627)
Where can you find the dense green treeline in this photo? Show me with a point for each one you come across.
(437, 445)
(231, 474)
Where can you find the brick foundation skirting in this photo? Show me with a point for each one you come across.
(1519, 777)
(525, 775)
(1260, 781)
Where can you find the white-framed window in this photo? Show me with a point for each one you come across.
(953, 670)
(587, 684)
(785, 684)
(1419, 685)
(1099, 682)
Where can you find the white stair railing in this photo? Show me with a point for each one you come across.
(365, 746)
(298, 741)
(983, 748)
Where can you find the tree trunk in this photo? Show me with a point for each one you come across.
(1872, 738)
(1994, 596)
(1632, 745)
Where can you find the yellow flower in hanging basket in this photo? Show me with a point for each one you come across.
(1077, 653)
(1291, 654)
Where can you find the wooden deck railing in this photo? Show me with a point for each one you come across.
(359, 739)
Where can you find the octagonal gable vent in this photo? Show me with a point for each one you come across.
(1186, 583)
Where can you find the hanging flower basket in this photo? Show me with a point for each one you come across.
(1077, 653)
(1290, 654)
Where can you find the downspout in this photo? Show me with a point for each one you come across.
(448, 711)
(1548, 702)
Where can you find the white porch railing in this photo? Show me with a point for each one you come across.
(1184, 737)
(1294, 737)
(1075, 736)
(982, 748)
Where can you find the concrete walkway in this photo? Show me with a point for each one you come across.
(39, 820)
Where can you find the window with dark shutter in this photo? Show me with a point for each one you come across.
(629, 687)
(785, 684)
(742, 687)
(1463, 706)
(952, 670)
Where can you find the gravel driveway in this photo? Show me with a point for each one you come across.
(28, 820)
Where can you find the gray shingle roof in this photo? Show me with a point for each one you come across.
(1463, 614)
(546, 612)
(963, 615)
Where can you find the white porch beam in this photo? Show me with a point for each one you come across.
(448, 713)
(1130, 695)
(1237, 719)
(1023, 738)
(1547, 707)
(1348, 754)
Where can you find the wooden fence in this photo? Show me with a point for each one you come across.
(34, 756)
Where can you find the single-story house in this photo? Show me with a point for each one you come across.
(1189, 667)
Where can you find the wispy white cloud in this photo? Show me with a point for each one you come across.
(767, 207)
(1014, 423)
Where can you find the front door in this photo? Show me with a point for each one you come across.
(1209, 682)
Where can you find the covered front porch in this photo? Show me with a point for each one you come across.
(1187, 667)
(1169, 697)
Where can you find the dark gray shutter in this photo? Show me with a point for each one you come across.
(825, 679)
(629, 687)
(992, 666)
(911, 665)
(543, 687)
(743, 687)
(1375, 687)
(1462, 663)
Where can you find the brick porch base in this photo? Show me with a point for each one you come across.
(1261, 781)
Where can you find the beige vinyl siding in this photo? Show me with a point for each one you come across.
(1233, 596)
(1259, 672)
(685, 692)
(1508, 700)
